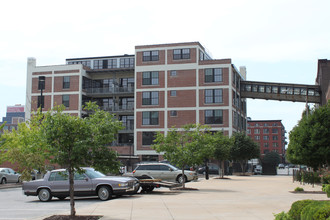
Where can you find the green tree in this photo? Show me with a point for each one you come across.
(222, 145)
(309, 140)
(25, 147)
(243, 149)
(73, 142)
(272, 158)
(189, 145)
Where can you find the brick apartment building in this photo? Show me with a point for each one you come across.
(158, 87)
(269, 134)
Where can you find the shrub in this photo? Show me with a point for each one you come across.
(319, 210)
(297, 207)
(282, 216)
(326, 188)
(298, 189)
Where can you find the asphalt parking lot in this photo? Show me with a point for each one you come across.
(239, 197)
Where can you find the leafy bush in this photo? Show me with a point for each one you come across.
(297, 207)
(319, 210)
(282, 216)
(326, 188)
(298, 189)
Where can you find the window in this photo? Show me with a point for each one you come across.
(266, 130)
(266, 138)
(173, 93)
(213, 75)
(266, 145)
(257, 131)
(126, 62)
(98, 64)
(66, 100)
(275, 138)
(213, 95)
(150, 118)
(150, 98)
(257, 137)
(274, 130)
(173, 73)
(66, 82)
(150, 55)
(112, 63)
(213, 117)
(179, 54)
(41, 101)
(265, 124)
(248, 131)
(173, 113)
(275, 144)
(127, 121)
(148, 138)
(150, 78)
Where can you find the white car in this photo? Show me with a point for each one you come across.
(8, 175)
(162, 171)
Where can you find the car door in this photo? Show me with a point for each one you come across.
(153, 170)
(59, 182)
(166, 173)
(12, 177)
(82, 184)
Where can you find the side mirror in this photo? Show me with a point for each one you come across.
(86, 179)
(170, 169)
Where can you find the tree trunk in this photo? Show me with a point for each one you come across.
(242, 166)
(183, 178)
(222, 168)
(71, 181)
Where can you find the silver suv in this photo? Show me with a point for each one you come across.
(164, 171)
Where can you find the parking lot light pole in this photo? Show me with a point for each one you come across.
(41, 87)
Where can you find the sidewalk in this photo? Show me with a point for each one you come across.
(248, 197)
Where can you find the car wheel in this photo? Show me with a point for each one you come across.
(147, 188)
(104, 193)
(3, 181)
(61, 197)
(180, 179)
(44, 195)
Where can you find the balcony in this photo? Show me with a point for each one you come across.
(119, 108)
(101, 92)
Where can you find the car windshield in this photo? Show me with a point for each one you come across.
(93, 173)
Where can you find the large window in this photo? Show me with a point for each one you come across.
(112, 63)
(126, 62)
(257, 137)
(213, 96)
(213, 117)
(150, 78)
(66, 82)
(266, 131)
(127, 121)
(275, 144)
(275, 137)
(213, 75)
(148, 138)
(151, 55)
(150, 98)
(179, 54)
(274, 130)
(98, 64)
(66, 100)
(150, 118)
(266, 138)
(257, 131)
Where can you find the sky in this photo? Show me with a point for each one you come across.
(277, 40)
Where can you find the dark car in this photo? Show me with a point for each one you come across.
(213, 169)
(90, 183)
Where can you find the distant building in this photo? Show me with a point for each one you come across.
(14, 115)
(269, 134)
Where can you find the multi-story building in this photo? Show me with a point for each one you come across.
(159, 87)
(269, 134)
(14, 115)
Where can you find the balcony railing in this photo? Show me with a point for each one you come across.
(110, 90)
(118, 108)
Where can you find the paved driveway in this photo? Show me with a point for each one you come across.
(253, 197)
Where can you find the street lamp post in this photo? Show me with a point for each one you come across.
(41, 87)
